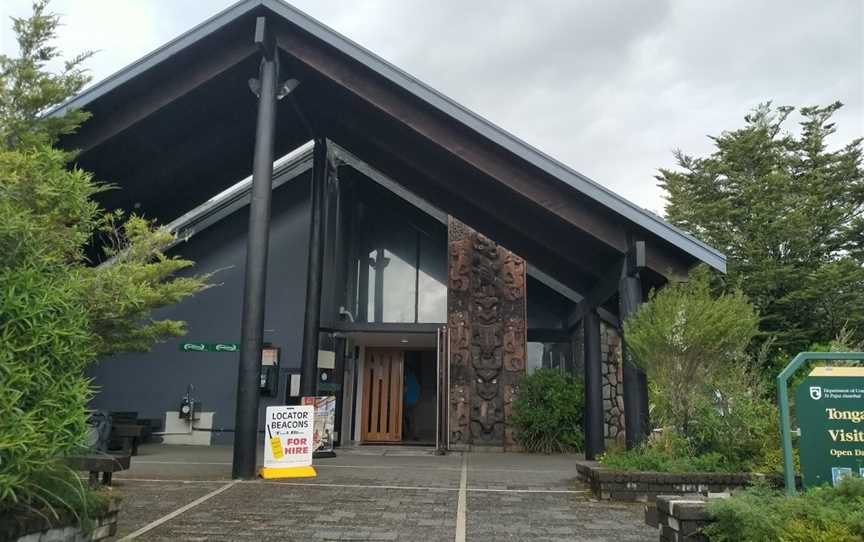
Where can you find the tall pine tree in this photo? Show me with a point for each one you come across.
(788, 211)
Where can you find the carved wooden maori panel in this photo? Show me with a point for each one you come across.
(486, 320)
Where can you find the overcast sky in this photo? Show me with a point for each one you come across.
(608, 87)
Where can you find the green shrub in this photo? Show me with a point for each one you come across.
(45, 344)
(714, 412)
(820, 514)
(58, 494)
(735, 420)
(665, 452)
(733, 428)
(682, 337)
(547, 413)
(58, 311)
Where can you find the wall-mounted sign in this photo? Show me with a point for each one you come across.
(288, 436)
(209, 347)
(829, 406)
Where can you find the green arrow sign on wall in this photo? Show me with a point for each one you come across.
(209, 347)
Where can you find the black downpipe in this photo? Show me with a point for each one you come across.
(594, 443)
(314, 269)
(636, 422)
(339, 381)
(252, 326)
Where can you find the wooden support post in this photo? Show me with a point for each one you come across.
(594, 438)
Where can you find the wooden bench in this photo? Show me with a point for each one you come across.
(129, 435)
(95, 464)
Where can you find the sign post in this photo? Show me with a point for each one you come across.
(288, 442)
(836, 421)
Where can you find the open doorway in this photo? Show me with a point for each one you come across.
(419, 397)
(397, 398)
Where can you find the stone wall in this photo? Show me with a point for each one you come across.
(38, 528)
(613, 384)
(620, 485)
(486, 322)
(681, 518)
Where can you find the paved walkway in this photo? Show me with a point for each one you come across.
(372, 493)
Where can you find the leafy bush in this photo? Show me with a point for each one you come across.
(820, 514)
(682, 337)
(734, 429)
(45, 344)
(58, 495)
(714, 411)
(547, 413)
(58, 312)
(735, 420)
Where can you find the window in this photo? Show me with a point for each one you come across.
(550, 355)
(402, 273)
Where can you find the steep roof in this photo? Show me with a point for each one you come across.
(377, 111)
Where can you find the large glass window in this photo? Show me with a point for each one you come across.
(401, 267)
(432, 281)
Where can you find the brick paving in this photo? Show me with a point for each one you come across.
(379, 495)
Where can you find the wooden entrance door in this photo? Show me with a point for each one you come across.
(382, 396)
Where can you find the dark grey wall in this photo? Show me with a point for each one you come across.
(154, 382)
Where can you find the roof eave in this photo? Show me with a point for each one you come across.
(545, 163)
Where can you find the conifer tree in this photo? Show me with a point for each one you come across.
(788, 211)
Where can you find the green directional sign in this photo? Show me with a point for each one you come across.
(829, 406)
(209, 347)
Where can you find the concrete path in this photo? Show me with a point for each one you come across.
(370, 493)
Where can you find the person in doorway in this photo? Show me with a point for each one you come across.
(409, 405)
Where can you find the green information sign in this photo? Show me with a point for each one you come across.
(209, 347)
(829, 406)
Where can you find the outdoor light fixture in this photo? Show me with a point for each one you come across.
(284, 90)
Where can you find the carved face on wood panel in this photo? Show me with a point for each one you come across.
(486, 385)
(487, 361)
(513, 276)
(460, 339)
(514, 345)
(459, 269)
(487, 266)
(487, 420)
(486, 434)
(486, 309)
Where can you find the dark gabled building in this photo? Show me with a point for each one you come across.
(451, 249)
